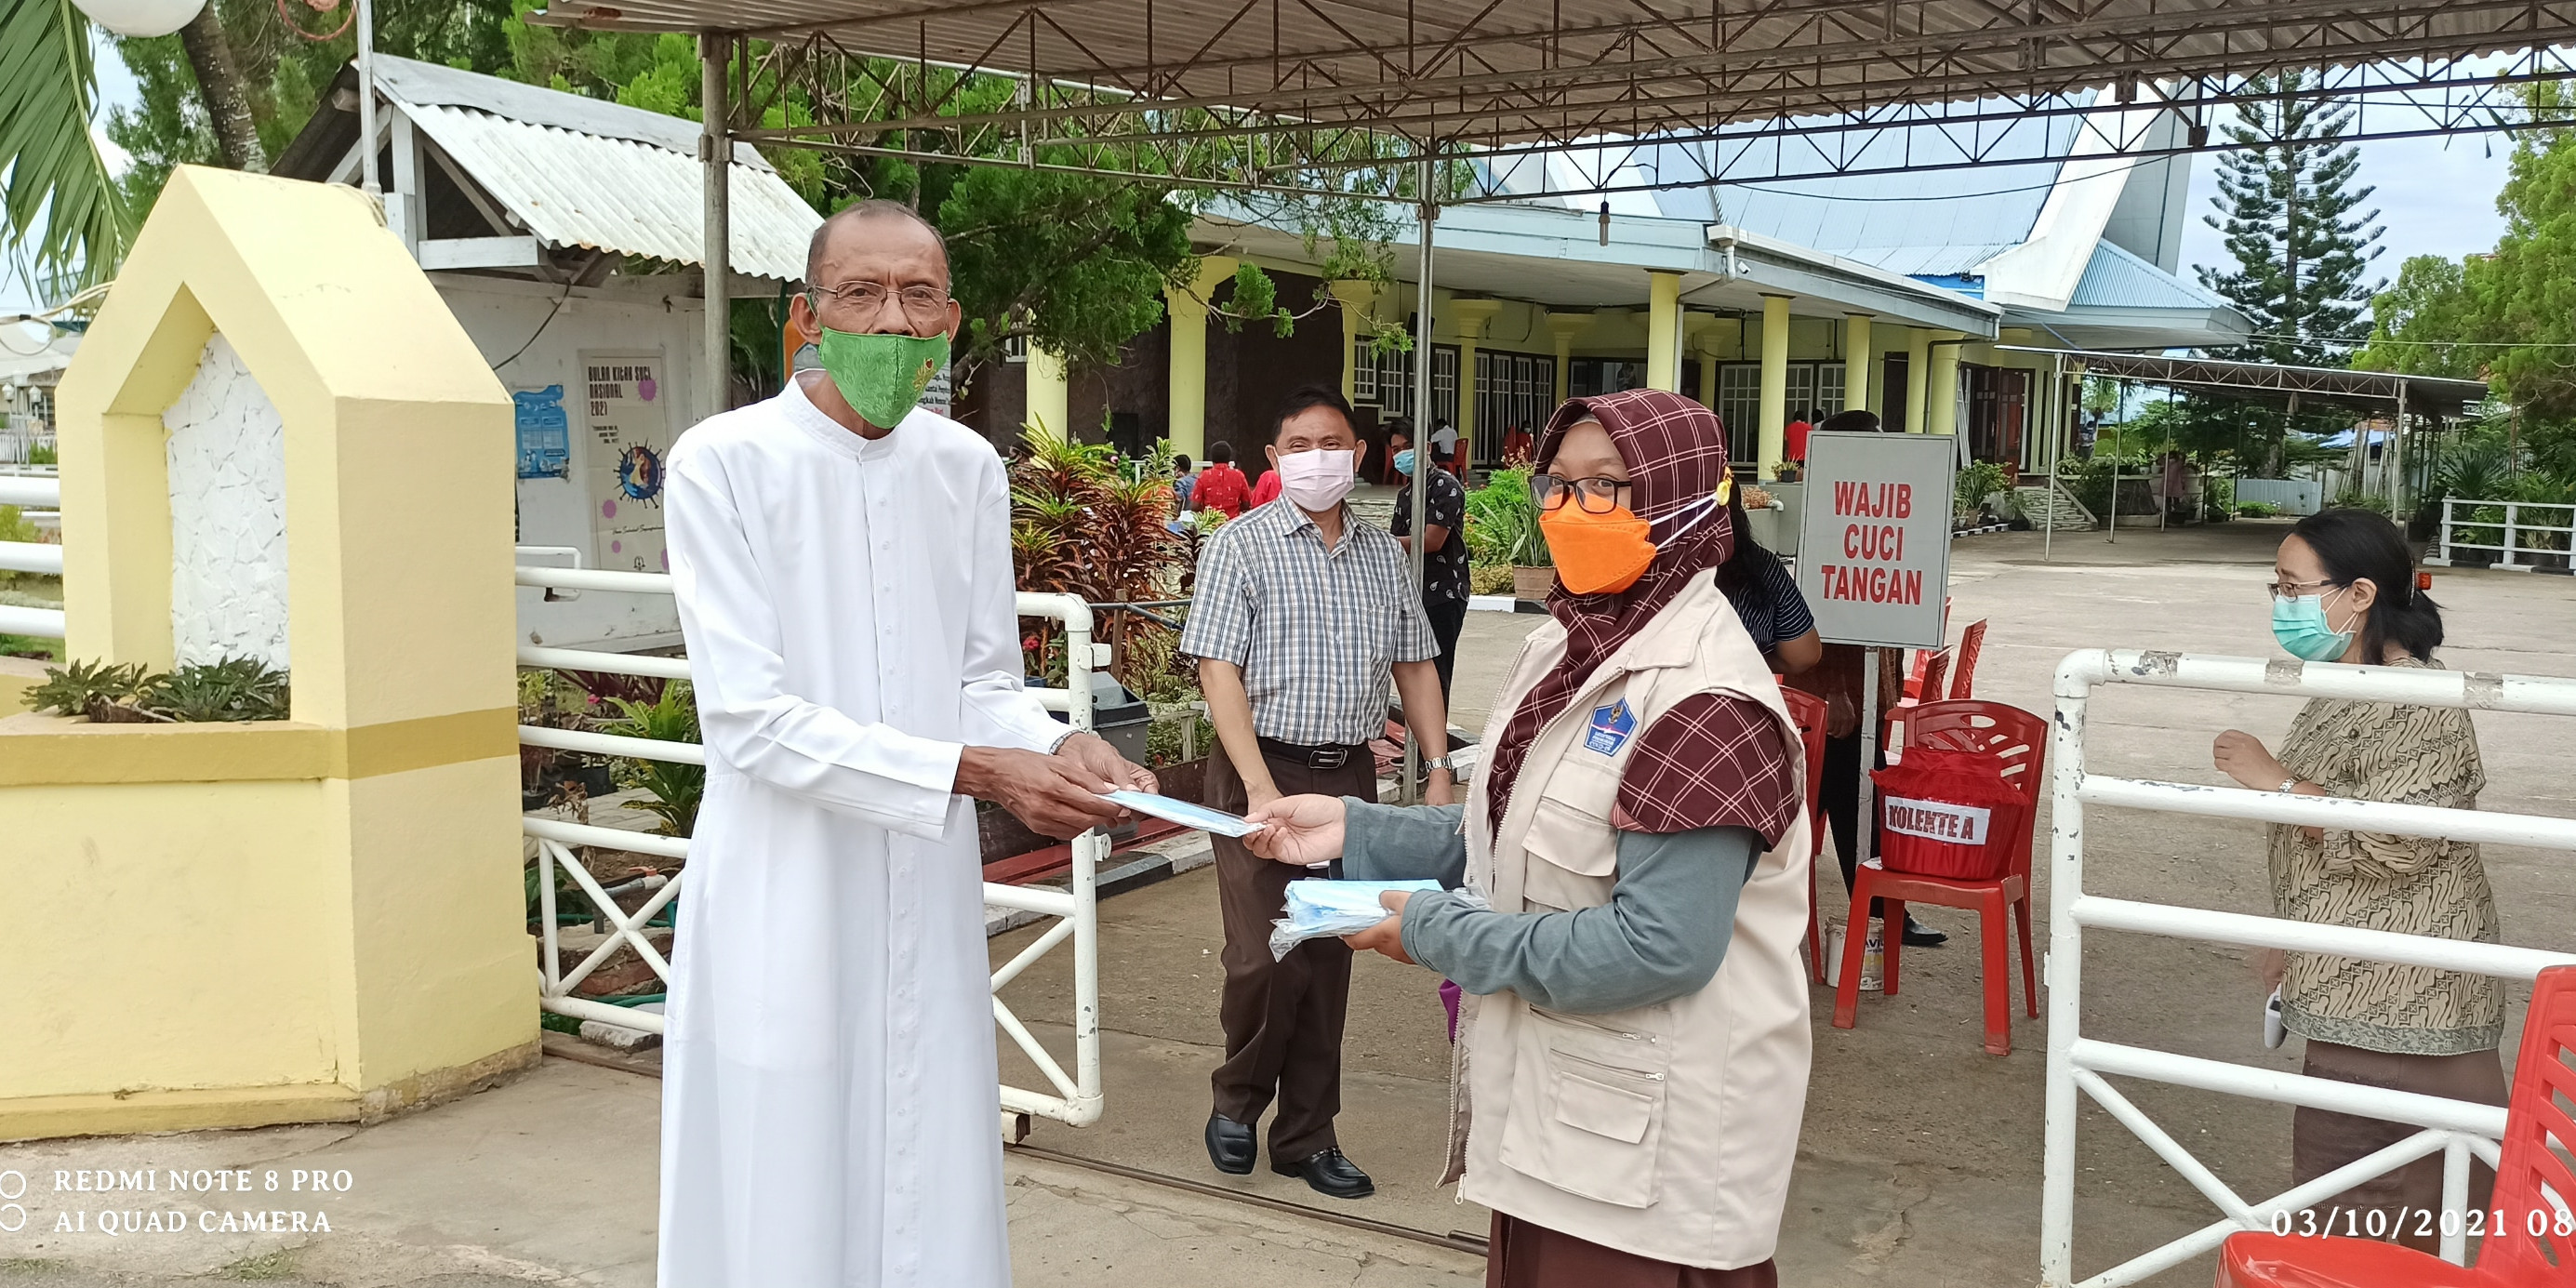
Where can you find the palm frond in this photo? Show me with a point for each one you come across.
(57, 180)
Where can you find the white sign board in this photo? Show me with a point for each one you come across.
(1874, 550)
(628, 417)
(1938, 820)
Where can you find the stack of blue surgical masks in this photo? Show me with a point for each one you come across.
(1318, 908)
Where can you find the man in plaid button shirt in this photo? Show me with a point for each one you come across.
(1301, 617)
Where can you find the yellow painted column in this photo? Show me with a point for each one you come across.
(319, 918)
(1471, 317)
(1566, 326)
(1941, 396)
(1700, 331)
(1775, 384)
(1918, 376)
(1664, 332)
(1355, 299)
(1050, 397)
(1860, 360)
(1186, 380)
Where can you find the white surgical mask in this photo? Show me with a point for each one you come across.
(1317, 481)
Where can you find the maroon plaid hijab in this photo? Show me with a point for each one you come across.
(1676, 454)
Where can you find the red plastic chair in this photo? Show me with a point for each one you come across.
(1807, 711)
(1971, 642)
(2020, 740)
(2543, 1084)
(1921, 686)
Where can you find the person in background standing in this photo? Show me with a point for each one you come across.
(1766, 597)
(1300, 618)
(2344, 591)
(1839, 677)
(1267, 490)
(1220, 487)
(1793, 440)
(1182, 482)
(1444, 546)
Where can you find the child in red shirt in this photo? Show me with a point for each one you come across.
(1221, 487)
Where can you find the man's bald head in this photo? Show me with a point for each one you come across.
(875, 217)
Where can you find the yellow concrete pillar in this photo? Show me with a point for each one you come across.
(1775, 384)
(1355, 299)
(1699, 331)
(1050, 396)
(1565, 326)
(1860, 361)
(1187, 377)
(1941, 395)
(320, 918)
(1918, 376)
(1664, 332)
(1470, 317)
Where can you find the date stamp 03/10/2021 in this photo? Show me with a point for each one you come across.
(2419, 1224)
(146, 1202)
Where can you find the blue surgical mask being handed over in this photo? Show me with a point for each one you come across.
(2299, 622)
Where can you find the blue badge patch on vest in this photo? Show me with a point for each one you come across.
(1611, 726)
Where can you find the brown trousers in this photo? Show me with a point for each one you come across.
(1522, 1254)
(1282, 1019)
(2322, 1140)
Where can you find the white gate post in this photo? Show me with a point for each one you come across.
(2064, 964)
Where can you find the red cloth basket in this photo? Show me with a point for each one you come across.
(1949, 814)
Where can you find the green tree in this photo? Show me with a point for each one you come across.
(2524, 295)
(2426, 324)
(2300, 250)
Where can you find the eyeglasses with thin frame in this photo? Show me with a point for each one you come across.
(2294, 589)
(924, 305)
(1598, 495)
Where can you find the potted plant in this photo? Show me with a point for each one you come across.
(1503, 531)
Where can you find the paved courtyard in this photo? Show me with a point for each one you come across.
(1920, 1155)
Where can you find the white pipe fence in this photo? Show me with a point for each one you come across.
(2513, 552)
(2458, 1130)
(1074, 1097)
(31, 492)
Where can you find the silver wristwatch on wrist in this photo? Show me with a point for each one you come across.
(1439, 762)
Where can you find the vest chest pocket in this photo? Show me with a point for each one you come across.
(1573, 858)
(1587, 1111)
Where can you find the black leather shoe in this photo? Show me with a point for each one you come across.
(1229, 1145)
(1331, 1175)
(1918, 935)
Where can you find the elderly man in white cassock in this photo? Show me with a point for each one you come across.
(843, 565)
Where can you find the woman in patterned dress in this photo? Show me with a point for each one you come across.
(2344, 591)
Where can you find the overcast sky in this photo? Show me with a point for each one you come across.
(2435, 196)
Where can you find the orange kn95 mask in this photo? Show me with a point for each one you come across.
(1603, 554)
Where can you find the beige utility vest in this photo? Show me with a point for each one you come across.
(1666, 1130)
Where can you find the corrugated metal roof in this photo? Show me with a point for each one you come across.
(2116, 279)
(580, 172)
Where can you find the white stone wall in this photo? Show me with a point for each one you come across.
(227, 459)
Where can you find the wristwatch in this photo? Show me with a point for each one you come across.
(1438, 762)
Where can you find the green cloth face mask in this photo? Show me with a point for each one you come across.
(882, 375)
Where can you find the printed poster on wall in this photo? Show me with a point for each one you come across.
(545, 436)
(626, 399)
(1874, 549)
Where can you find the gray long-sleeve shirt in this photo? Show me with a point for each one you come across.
(1662, 935)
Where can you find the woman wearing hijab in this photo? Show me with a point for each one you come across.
(1633, 1052)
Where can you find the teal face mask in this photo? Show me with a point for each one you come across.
(2299, 623)
(1404, 462)
(882, 375)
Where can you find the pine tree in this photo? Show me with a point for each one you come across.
(2288, 199)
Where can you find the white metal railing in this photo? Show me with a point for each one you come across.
(2511, 550)
(1076, 1096)
(2458, 1130)
(27, 492)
